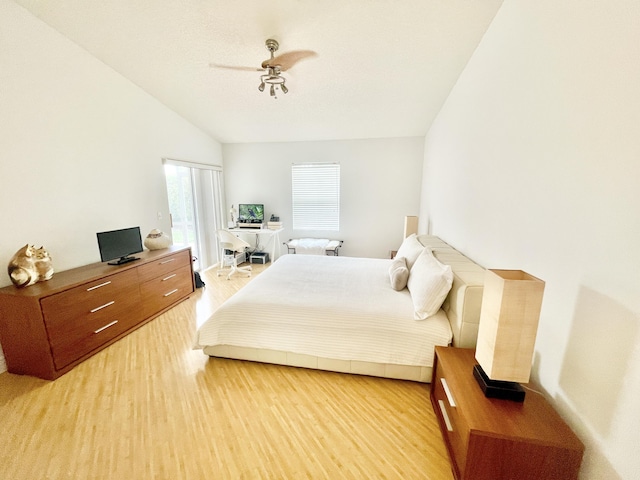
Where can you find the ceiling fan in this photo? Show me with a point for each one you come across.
(273, 66)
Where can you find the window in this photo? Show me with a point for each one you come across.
(315, 191)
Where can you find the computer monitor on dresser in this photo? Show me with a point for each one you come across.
(119, 245)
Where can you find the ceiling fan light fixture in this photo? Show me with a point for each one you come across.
(284, 88)
(272, 91)
(261, 87)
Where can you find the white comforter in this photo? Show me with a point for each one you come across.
(333, 307)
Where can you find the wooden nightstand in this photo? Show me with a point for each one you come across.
(490, 439)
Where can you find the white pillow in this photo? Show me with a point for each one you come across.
(410, 249)
(398, 273)
(429, 283)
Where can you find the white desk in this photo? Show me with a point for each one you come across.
(273, 237)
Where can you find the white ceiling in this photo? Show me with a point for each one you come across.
(384, 67)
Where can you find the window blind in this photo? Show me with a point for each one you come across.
(315, 191)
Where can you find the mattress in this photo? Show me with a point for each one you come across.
(340, 308)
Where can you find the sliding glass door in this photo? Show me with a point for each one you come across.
(195, 201)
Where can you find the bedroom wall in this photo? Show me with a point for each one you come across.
(533, 164)
(80, 147)
(379, 185)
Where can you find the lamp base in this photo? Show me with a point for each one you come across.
(497, 388)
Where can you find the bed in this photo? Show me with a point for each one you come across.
(342, 313)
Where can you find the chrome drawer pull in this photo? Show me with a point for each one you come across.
(170, 276)
(103, 306)
(445, 417)
(106, 326)
(98, 286)
(171, 292)
(168, 261)
(447, 392)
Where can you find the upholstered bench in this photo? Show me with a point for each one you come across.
(313, 246)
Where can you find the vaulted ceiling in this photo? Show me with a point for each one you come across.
(383, 67)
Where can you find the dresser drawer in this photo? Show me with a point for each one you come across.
(86, 298)
(83, 318)
(163, 266)
(159, 293)
(85, 333)
(456, 430)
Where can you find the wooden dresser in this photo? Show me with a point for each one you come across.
(48, 328)
(491, 439)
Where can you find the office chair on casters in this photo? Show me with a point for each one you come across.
(228, 241)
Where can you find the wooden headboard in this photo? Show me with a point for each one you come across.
(464, 301)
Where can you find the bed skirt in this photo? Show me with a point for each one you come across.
(399, 372)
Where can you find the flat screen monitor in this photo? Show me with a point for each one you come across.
(119, 245)
(251, 213)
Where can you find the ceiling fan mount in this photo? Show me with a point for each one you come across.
(272, 45)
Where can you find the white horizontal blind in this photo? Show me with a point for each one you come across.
(315, 191)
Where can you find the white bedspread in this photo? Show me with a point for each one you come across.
(333, 307)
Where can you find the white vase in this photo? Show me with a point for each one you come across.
(157, 240)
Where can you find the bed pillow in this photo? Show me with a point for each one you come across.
(429, 283)
(398, 273)
(410, 249)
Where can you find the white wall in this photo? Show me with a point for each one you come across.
(380, 184)
(80, 146)
(533, 164)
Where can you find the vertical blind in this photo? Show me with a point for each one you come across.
(196, 203)
(315, 191)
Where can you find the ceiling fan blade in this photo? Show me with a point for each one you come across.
(288, 59)
(235, 67)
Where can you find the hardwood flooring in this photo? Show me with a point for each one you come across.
(151, 407)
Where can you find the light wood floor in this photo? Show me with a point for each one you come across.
(150, 407)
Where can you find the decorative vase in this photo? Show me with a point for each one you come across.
(157, 240)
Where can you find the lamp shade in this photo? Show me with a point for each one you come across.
(511, 304)
(410, 225)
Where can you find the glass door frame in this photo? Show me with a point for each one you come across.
(207, 191)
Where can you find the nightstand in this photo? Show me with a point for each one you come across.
(492, 439)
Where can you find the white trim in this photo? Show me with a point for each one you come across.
(316, 163)
(184, 163)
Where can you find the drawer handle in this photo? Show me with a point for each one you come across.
(168, 261)
(103, 306)
(106, 326)
(170, 276)
(445, 416)
(171, 292)
(98, 286)
(447, 392)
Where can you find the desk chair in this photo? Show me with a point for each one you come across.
(228, 241)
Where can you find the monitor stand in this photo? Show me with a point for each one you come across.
(123, 260)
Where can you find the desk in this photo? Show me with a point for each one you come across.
(273, 236)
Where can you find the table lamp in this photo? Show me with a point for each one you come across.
(511, 304)
(410, 225)
(233, 213)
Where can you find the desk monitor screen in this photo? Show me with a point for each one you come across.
(117, 245)
(251, 213)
